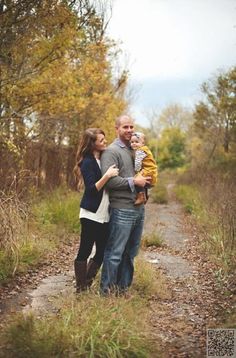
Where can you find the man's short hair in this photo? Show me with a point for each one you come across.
(118, 119)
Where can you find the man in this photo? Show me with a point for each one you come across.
(126, 220)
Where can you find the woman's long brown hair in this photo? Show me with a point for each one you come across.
(86, 147)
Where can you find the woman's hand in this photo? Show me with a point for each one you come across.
(112, 171)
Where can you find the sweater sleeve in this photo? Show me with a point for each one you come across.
(87, 171)
(116, 183)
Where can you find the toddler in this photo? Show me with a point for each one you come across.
(144, 164)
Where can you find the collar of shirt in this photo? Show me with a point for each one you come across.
(121, 144)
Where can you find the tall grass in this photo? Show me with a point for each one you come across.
(190, 197)
(159, 193)
(212, 200)
(87, 328)
(91, 325)
(59, 209)
(13, 227)
(148, 281)
(29, 233)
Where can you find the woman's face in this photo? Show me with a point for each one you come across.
(100, 143)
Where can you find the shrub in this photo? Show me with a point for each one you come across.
(60, 209)
(159, 194)
(152, 239)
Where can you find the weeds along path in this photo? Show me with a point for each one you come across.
(194, 302)
(36, 288)
(178, 318)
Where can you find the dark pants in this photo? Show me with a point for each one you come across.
(92, 232)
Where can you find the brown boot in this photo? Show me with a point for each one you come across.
(80, 275)
(141, 198)
(92, 271)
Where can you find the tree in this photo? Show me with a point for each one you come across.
(172, 116)
(171, 148)
(215, 118)
(55, 75)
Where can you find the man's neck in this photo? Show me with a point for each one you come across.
(125, 142)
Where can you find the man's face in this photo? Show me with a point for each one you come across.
(125, 129)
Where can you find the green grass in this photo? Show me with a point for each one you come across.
(89, 328)
(91, 325)
(28, 253)
(49, 222)
(152, 239)
(159, 194)
(61, 208)
(34, 250)
(148, 281)
(6, 265)
(189, 196)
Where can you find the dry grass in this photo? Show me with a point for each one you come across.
(90, 325)
(149, 281)
(213, 202)
(159, 193)
(13, 226)
(152, 239)
(29, 232)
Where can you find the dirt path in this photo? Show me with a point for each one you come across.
(195, 302)
(35, 289)
(179, 321)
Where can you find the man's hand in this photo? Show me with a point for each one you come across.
(139, 180)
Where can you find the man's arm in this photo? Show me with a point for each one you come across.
(118, 183)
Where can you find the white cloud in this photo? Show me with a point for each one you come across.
(175, 38)
(173, 46)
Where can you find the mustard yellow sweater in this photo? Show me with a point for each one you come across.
(145, 163)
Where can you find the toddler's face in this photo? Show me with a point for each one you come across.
(135, 142)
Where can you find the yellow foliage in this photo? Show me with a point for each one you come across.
(58, 80)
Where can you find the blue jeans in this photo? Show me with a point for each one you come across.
(126, 226)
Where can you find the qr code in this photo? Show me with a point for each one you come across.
(221, 343)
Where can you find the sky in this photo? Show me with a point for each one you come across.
(171, 47)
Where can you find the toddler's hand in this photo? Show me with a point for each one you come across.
(112, 171)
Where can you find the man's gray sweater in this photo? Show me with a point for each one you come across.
(120, 194)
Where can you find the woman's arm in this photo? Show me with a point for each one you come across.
(111, 172)
(90, 178)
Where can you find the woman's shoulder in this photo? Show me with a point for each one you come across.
(88, 159)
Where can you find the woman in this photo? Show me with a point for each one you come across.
(94, 214)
